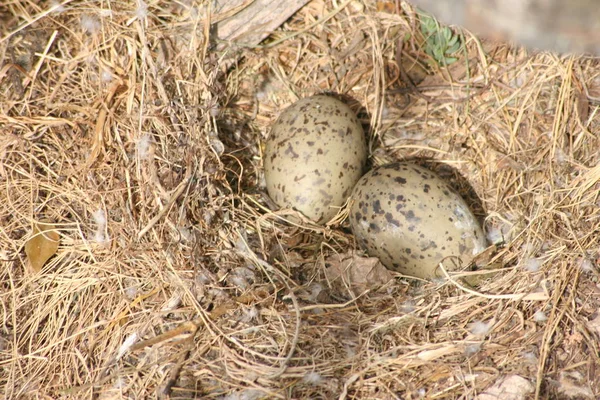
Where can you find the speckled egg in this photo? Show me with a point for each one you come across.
(411, 219)
(315, 154)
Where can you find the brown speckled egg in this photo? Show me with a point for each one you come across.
(314, 156)
(411, 219)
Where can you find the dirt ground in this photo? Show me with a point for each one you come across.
(133, 139)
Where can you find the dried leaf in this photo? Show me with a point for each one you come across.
(582, 104)
(386, 7)
(513, 387)
(42, 245)
(594, 325)
(222, 309)
(349, 271)
(573, 384)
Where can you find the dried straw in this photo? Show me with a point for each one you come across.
(176, 278)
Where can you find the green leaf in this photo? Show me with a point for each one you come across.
(453, 40)
(447, 34)
(453, 49)
(440, 41)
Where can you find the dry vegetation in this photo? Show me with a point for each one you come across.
(139, 139)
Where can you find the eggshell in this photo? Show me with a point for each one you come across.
(411, 219)
(315, 154)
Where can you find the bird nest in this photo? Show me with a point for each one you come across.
(133, 139)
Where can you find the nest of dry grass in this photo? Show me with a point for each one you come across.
(140, 142)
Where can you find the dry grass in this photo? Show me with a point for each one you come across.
(173, 278)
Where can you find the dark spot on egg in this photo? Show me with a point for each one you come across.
(373, 227)
(390, 219)
(410, 216)
(290, 152)
(377, 207)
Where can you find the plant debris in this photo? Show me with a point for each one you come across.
(354, 275)
(139, 132)
(42, 245)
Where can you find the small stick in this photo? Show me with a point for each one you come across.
(167, 207)
(513, 296)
